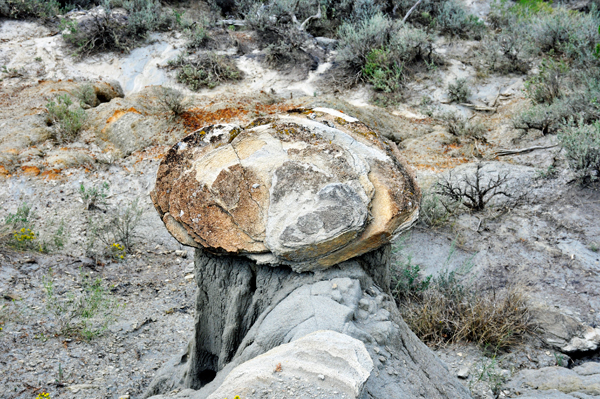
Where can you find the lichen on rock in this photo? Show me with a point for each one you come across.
(301, 189)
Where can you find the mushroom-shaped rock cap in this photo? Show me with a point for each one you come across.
(309, 189)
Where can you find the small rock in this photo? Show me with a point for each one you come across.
(463, 373)
(180, 253)
(321, 377)
(382, 359)
(189, 268)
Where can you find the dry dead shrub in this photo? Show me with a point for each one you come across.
(448, 312)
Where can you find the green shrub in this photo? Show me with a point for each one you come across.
(19, 9)
(434, 212)
(66, 119)
(462, 127)
(383, 73)
(170, 100)
(548, 84)
(459, 91)
(205, 70)
(86, 95)
(581, 143)
(454, 20)
(110, 30)
(280, 53)
(407, 279)
(197, 37)
(94, 197)
(546, 118)
(379, 51)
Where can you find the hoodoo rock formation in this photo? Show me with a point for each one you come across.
(292, 218)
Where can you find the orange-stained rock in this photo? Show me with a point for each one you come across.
(309, 189)
(31, 170)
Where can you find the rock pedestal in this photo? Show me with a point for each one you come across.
(292, 218)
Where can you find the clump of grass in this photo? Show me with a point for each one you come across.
(66, 119)
(205, 70)
(449, 311)
(433, 211)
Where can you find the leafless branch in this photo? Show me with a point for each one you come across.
(307, 20)
(523, 150)
(471, 191)
(411, 10)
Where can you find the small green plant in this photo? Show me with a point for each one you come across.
(117, 251)
(581, 143)
(12, 72)
(179, 18)
(549, 173)
(170, 100)
(433, 211)
(93, 197)
(115, 229)
(459, 91)
(462, 127)
(21, 234)
(382, 72)
(197, 37)
(548, 85)
(67, 121)
(86, 95)
(594, 247)
(38, 59)
(407, 279)
(86, 314)
(488, 372)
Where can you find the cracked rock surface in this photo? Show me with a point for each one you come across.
(308, 189)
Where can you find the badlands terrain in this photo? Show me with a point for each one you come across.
(96, 294)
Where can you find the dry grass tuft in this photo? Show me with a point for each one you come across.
(448, 312)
